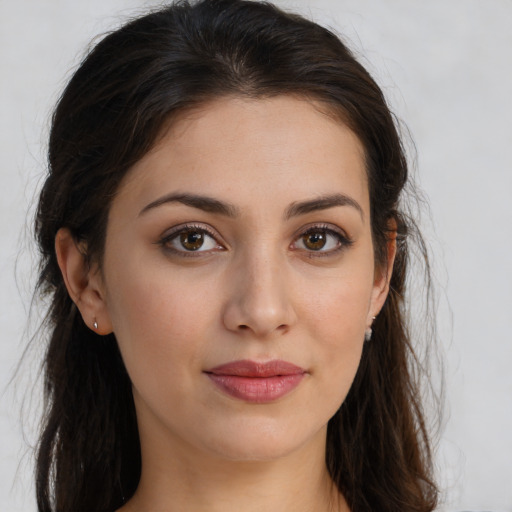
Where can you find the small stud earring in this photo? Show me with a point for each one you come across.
(95, 324)
(369, 331)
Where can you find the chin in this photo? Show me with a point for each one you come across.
(260, 441)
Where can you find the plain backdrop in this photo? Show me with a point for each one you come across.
(446, 69)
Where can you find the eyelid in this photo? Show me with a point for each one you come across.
(173, 232)
(344, 239)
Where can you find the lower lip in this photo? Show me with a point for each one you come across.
(258, 390)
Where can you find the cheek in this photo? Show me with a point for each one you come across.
(337, 321)
(160, 322)
(338, 310)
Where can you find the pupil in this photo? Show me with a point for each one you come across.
(315, 241)
(192, 240)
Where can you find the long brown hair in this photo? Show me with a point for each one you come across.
(110, 114)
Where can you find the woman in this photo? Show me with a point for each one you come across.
(226, 258)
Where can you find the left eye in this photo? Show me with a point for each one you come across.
(191, 240)
(319, 240)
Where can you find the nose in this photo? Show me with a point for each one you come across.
(260, 301)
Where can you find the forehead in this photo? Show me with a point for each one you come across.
(283, 147)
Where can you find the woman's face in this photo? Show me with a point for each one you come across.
(239, 277)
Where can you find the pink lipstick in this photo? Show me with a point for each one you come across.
(256, 382)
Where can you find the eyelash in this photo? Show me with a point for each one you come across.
(188, 228)
(343, 241)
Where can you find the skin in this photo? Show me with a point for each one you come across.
(257, 289)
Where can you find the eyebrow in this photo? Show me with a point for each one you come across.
(322, 203)
(211, 205)
(207, 204)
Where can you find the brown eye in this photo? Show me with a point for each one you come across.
(314, 241)
(192, 240)
(324, 241)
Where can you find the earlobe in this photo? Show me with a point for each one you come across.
(84, 283)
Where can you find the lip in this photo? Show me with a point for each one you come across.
(256, 382)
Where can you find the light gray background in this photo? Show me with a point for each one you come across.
(445, 66)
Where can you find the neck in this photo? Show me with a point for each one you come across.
(183, 479)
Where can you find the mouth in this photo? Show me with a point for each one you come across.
(256, 382)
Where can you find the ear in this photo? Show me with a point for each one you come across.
(383, 275)
(83, 282)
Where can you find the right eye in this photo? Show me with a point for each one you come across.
(190, 239)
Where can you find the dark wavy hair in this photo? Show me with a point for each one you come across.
(128, 87)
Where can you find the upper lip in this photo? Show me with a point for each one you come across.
(248, 368)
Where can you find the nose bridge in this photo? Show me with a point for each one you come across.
(260, 301)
